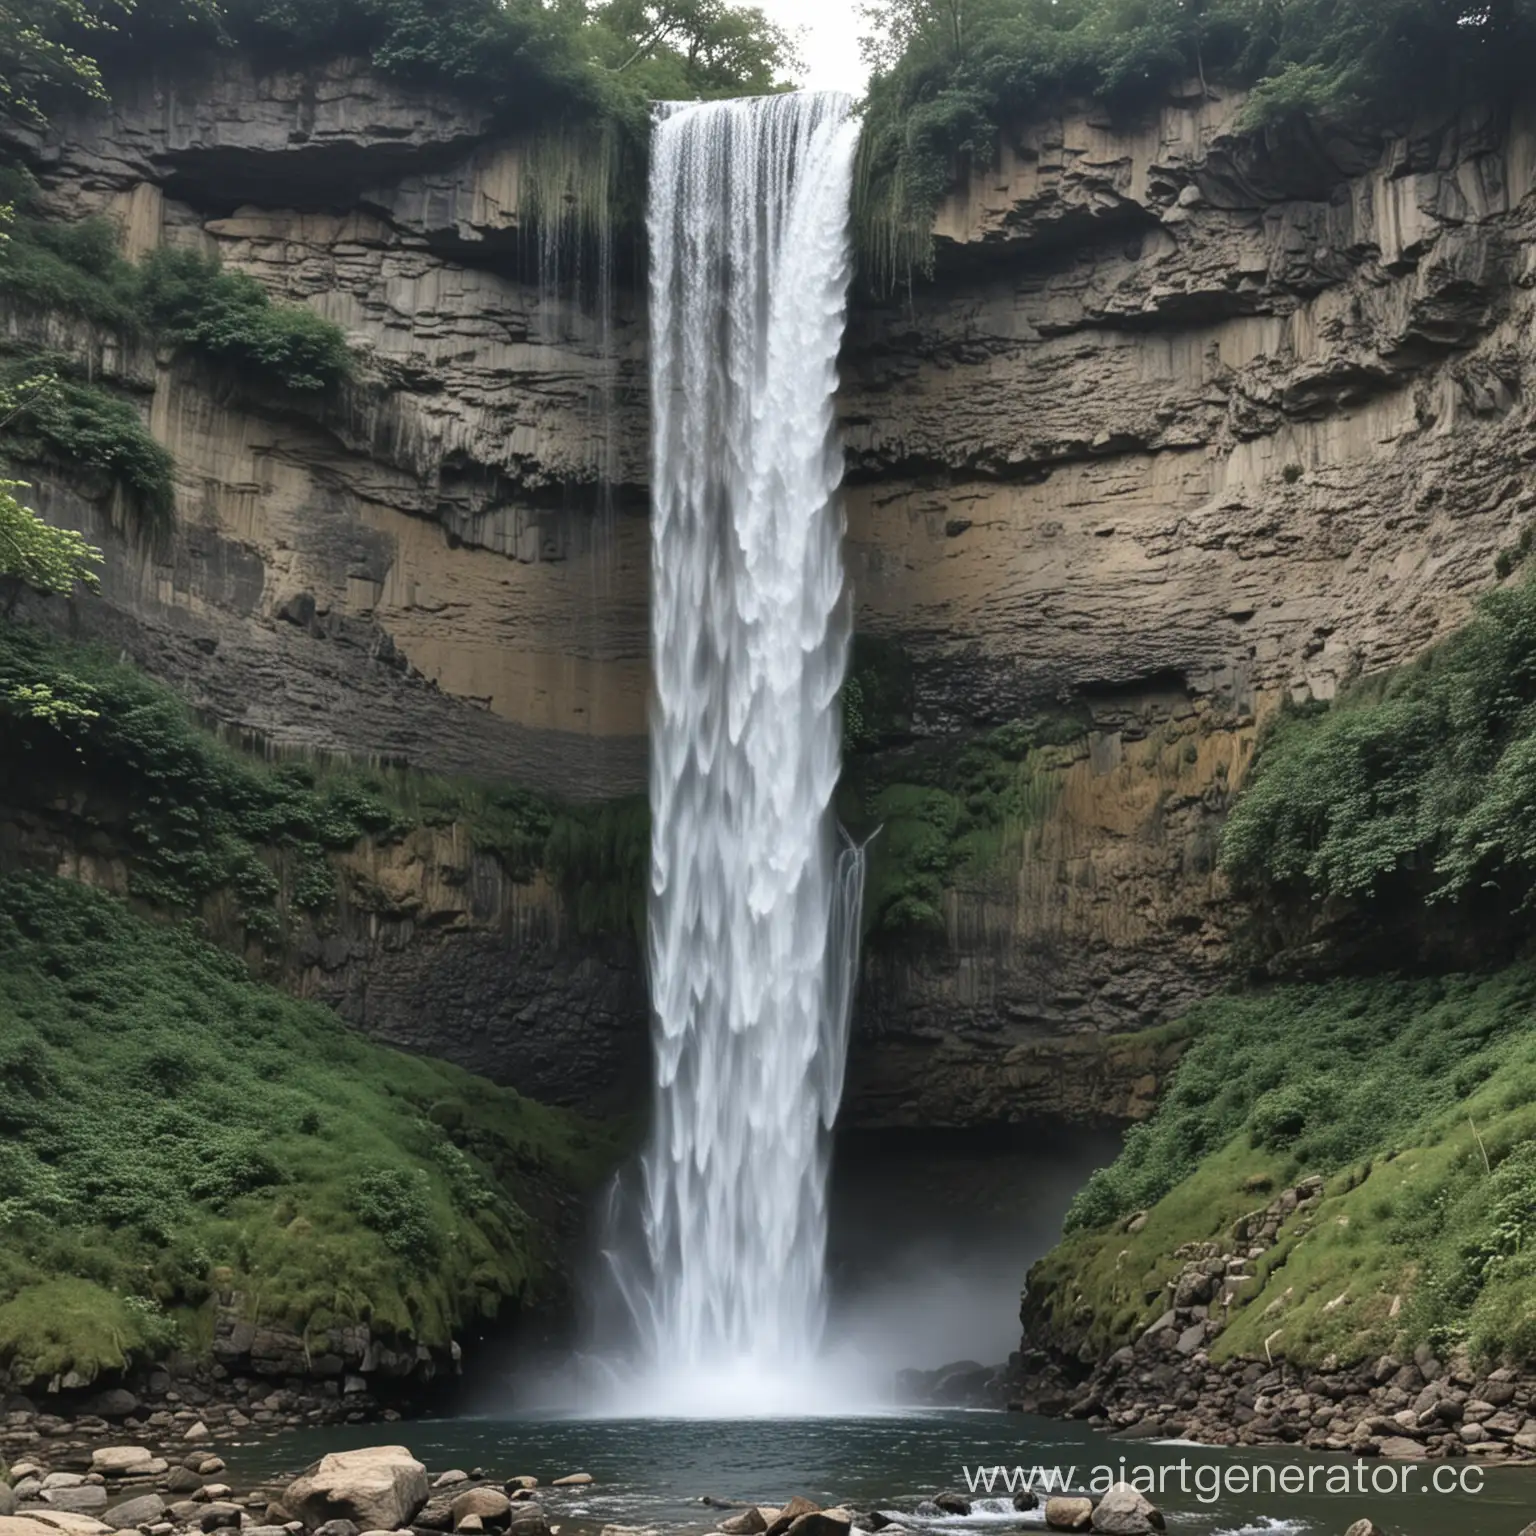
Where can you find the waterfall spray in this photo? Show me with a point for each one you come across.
(755, 910)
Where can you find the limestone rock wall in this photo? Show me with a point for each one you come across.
(446, 566)
(1185, 424)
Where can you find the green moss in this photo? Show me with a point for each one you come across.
(943, 815)
(164, 1120)
(52, 1324)
(196, 819)
(191, 815)
(600, 857)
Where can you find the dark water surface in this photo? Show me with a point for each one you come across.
(653, 1471)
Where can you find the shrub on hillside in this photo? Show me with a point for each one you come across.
(1417, 786)
(227, 317)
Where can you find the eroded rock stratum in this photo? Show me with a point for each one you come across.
(1187, 423)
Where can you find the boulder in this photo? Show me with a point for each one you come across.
(490, 1506)
(62, 1480)
(70, 1523)
(121, 1460)
(528, 1520)
(19, 1525)
(84, 1499)
(436, 1514)
(216, 1516)
(205, 1465)
(1370, 1528)
(7, 1502)
(790, 1512)
(824, 1522)
(953, 1503)
(116, 1403)
(198, 1431)
(750, 1522)
(448, 1479)
(522, 1480)
(1025, 1499)
(183, 1480)
(147, 1510)
(572, 1480)
(1065, 1514)
(337, 1528)
(1125, 1512)
(379, 1488)
(472, 1525)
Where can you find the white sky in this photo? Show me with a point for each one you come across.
(829, 41)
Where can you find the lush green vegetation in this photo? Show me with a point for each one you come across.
(61, 420)
(197, 819)
(192, 816)
(951, 74)
(189, 300)
(168, 1128)
(877, 694)
(76, 268)
(180, 297)
(1417, 787)
(942, 814)
(1416, 1099)
(32, 554)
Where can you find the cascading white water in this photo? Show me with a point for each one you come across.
(754, 911)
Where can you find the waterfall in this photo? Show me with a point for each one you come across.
(754, 910)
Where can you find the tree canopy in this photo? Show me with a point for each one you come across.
(529, 59)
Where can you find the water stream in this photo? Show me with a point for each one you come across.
(754, 910)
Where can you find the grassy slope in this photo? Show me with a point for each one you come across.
(168, 1126)
(1378, 1085)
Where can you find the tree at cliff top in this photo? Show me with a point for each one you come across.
(949, 75)
(530, 61)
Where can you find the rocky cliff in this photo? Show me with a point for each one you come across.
(1186, 423)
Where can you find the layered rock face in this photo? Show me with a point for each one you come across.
(1188, 423)
(444, 567)
(447, 565)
